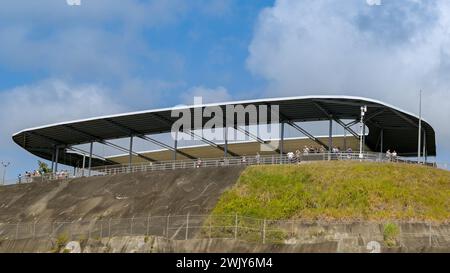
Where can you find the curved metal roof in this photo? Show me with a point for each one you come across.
(399, 127)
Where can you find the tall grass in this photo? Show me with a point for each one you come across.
(340, 190)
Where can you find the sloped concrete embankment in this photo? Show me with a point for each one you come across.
(176, 192)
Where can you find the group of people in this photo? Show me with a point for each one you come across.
(30, 175)
(391, 156)
(291, 157)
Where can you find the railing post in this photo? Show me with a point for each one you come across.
(264, 231)
(187, 226)
(235, 226)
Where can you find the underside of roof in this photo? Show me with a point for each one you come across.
(398, 129)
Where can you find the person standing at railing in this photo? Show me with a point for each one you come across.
(298, 156)
(305, 150)
(322, 149)
(290, 157)
(388, 154)
(199, 163)
(258, 158)
(19, 178)
(394, 156)
(349, 152)
(244, 160)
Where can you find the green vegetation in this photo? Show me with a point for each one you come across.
(60, 243)
(390, 233)
(340, 191)
(43, 167)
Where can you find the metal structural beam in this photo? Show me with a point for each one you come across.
(76, 149)
(247, 133)
(194, 135)
(306, 133)
(286, 119)
(209, 142)
(348, 129)
(142, 136)
(328, 113)
(107, 143)
(405, 118)
(374, 114)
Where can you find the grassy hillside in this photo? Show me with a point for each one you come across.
(340, 190)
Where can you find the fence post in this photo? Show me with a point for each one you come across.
(167, 226)
(34, 229)
(17, 230)
(210, 227)
(292, 227)
(71, 231)
(187, 226)
(109, 228)
(235, 226)
(264, 231)
(148, 224)
(131, 225)
(429, 233)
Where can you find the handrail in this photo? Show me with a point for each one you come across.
(216, 162)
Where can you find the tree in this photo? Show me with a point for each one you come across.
(43, 167)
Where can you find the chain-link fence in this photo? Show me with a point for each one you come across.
(184, 227)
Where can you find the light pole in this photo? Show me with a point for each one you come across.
(5, 165)
(363, 112)
(420, 127)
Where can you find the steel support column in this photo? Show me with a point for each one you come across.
(330, 138)
(424, 144)
(90, 158)
(130, 152)
(282, 142)
(345, 140)
(381, 140)
(175, 146)
(84, 164)
(56, 158)
(53, 160)
(225, 136)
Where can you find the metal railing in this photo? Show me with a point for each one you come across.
(216, 162)
(185, 227)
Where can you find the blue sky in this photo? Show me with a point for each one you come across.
(61, 62)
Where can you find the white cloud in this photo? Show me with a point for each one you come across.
(218, 94)
(387, 52)
(49, 101)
